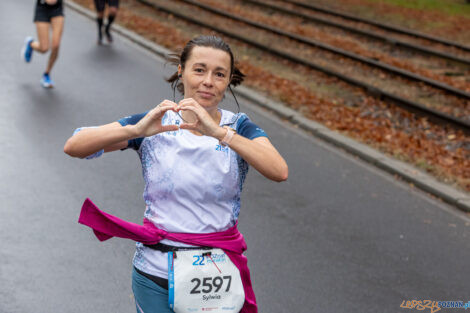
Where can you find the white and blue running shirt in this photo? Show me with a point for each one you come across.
(192, 183)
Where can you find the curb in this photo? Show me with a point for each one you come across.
(408, 173)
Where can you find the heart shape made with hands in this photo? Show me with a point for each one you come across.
(190, 117)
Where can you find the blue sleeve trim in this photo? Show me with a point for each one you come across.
(246, 128)
(132, 120)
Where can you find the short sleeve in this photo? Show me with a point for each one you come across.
(132, 120)
(246, 128)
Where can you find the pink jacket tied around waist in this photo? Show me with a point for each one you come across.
(106, 226)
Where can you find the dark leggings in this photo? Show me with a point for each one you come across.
(100, 4)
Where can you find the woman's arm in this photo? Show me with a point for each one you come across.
(114, 136)
(109, 137)
(260, 154)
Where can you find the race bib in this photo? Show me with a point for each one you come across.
(204, 281)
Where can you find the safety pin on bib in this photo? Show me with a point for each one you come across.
(209, 254)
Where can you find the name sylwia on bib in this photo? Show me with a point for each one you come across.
(204, 281)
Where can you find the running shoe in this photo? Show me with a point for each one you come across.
(27, 50)
(46, 81)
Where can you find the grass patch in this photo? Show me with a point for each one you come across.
(451, 7)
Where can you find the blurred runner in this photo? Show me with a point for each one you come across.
(113, 6)
(48, 15)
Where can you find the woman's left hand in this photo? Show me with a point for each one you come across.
(204, 123)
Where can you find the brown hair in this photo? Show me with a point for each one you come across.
(236, 76)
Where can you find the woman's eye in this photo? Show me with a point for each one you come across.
(199, 70)
(222, 75)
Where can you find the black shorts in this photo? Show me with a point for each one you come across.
(44, 12)
(99, 4)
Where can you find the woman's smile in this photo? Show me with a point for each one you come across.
(205, 94)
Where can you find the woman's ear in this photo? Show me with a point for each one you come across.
(180, 72)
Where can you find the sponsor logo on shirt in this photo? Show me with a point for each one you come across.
(219, 147)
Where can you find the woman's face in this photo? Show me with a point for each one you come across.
(206, 76)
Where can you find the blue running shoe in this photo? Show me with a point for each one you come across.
(46, 81)
(27, 50)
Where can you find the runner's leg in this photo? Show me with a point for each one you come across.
(149, 297)
(42, 44)
(112, 12)
(57, 24)
(99, 6)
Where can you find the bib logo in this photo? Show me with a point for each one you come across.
(201, 260)
(217, 258)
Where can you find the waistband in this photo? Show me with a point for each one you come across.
(167, 248)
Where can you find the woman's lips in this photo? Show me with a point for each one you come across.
(205, 95)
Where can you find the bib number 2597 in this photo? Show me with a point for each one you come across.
(211, 283)
(202, 281)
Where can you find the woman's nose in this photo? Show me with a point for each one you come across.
(208, 80)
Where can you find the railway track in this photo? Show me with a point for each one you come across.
(370, 34)
(377, 24)
(353, 56)
(373, 90)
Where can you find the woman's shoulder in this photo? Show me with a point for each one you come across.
(231, 119)
(242, 124)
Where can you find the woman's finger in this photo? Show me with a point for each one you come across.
(167, 102)
(166, 108)
(188, 102)
(167, 128)
(195, 111)
(188, 108)
(192, 126)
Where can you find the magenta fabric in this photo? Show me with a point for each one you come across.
(106, 226)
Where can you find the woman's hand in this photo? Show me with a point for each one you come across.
(204, 123)
(259, 152)
(151, 123)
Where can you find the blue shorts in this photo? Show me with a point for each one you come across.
(149, 297)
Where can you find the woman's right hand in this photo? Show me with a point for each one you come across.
(151, 123)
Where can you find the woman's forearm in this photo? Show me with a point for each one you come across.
(91, 140)
(261, 155)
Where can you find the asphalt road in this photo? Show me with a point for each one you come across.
(338, 236)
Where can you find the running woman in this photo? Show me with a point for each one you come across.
(49, 15)
(195, 157)
(113, 6)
